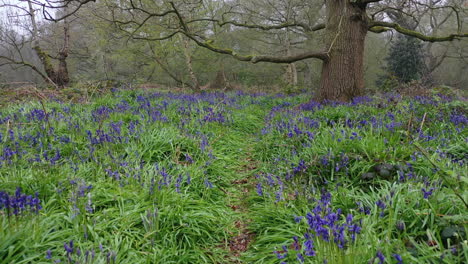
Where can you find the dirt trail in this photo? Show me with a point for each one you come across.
(243, 187)
(242, 236)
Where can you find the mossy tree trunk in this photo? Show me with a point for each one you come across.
(59, 77)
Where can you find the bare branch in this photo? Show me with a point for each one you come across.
(10, 61)
(382, 26)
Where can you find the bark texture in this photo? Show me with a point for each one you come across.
(343, 70)
(188, 61)
(59, 76)
(62, 78)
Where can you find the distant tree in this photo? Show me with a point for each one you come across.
(405, 60)
(17, 41)
(344, 25)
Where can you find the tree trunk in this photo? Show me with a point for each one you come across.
(188, 61)
(291, 71)
(58, 77)
(62, 77)
(308, 71)
(345, 33)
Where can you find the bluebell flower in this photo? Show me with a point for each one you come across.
(309, 248)
(188, 158)
(427, 193)
(259, 189)
(19, 203)
(398, 258)
(380, 256)
(382, 206)
(189, 179)
(208, 184)
(400, 225)
(300, 257)
(69, 247)
(281, 255)
(178, 182)
(298, 219)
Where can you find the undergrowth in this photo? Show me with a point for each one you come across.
(142, 177)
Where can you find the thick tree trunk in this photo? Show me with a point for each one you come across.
(58, 77)
(343, 71)
(62, 77)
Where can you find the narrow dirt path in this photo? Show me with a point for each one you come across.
(241, 189)
(242, 236)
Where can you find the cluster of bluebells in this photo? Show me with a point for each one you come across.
(44, 143)
(214, 115)
(429, 187)
(73, 254)
(125, 172)
(325, 224)
(383, 204)
(163, 179)
(80, 195)
(292, 124)
(306, 119)
(19, 203)
(380, 258)
(274, 182)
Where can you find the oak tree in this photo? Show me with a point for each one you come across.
(344, 25)
(342, 28)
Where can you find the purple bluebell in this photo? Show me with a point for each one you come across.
(48, 254)
(300, 258)
(19, 203)
(208, 184)
(398, 258)
(69, 247)
(380, 256)
(309, 248)
(427, 192)
(259, 189)
(400, 225)
(178, 182)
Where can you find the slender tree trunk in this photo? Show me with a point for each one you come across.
(188, 61)
(165, 68)
(291, 71)
(343, 72)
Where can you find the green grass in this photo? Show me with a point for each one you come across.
(153, 178)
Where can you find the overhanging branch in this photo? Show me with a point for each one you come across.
(248, 58)
(271, 27)
(258, 58)
(381, 26)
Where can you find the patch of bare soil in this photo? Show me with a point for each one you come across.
(240, 243)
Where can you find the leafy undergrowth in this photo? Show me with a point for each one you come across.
(140, 177)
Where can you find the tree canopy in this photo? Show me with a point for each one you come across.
(333, 32)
